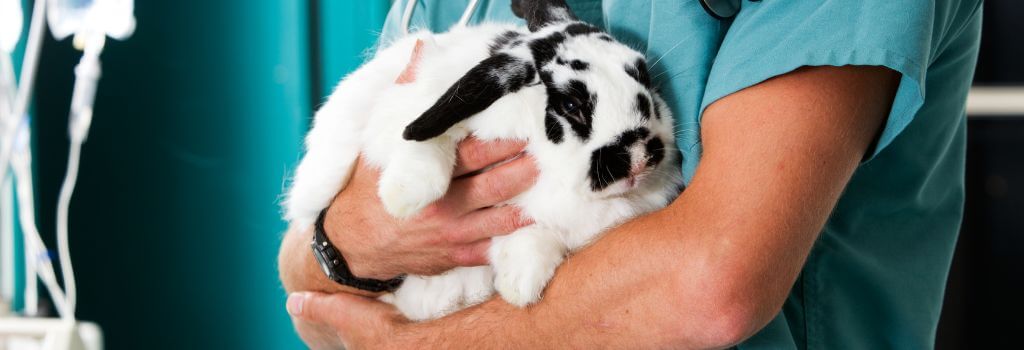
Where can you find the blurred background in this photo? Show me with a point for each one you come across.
(200, 116)
(984, 304)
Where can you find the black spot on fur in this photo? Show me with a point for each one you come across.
(503, 40)
(643, 105)
(612, 162)
(638, 70)
(575, 94)
(544, 49)
(580, 28)
(519, 77)
(539, 13)
(608, 164)
(579, 65)
(629, 137)
(473, 93)
(553, 128)
(655, 151)
(545, 77)
(574, 64)
(606, 37)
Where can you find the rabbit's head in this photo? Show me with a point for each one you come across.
(599, 100)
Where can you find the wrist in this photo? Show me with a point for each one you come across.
(299, 271)
(295, 269)
(359, 263)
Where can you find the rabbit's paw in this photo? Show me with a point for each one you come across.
(404, 192)
(523, 268)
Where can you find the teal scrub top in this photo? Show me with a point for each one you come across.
(876, 275)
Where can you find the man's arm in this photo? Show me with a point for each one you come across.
(716, 265)
(454, 231)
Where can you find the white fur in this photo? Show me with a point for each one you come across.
(368, 112)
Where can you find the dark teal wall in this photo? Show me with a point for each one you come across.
(349, 31)
(175, 222)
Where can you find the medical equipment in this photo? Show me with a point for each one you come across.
(90, 21)
(111, 18)
(10, 30)
(10, 25)
(722, 9)
(411, 5)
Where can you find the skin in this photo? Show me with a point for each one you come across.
(707, 272)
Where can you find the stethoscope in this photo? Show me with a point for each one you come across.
(721, 9)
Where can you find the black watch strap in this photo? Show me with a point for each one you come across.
(336, 268)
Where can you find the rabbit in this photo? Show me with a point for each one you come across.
(601, 137)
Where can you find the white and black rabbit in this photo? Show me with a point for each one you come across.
(601, 138)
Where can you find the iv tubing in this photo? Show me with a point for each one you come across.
(21, 164)
(28, 68)
(38, 261)
(63, 202)
(87, 75)
(28, 72)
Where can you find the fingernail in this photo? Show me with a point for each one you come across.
(521, 154)
(523, 219)
(294, 304)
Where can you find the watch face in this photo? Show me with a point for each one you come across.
(323, 261)
(327, 271)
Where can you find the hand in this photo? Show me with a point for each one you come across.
(342, 320)
(454, 231)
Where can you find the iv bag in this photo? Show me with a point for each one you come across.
(10, 25)
(114, 18)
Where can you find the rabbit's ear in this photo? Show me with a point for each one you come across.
(425, 46)
(540, 13)
(485, 83)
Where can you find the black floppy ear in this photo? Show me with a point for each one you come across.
(539, 13)
(485, 83)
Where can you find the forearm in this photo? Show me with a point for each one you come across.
(299, 271)
(613, 294)
(655, 282)
(716, 265)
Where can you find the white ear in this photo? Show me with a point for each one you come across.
(430, 43)
(426, 46)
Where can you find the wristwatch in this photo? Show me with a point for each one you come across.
(336, 268)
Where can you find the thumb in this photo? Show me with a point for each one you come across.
(340, 310)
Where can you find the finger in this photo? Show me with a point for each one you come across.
(473, 254)
(490, 188)
(364, 176)
(342, 311)
(486, 223)
(476, 154)
(317, 335)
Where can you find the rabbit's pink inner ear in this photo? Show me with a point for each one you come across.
(409, 73)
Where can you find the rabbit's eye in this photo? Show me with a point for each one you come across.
(574, 102)
(570, 107)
